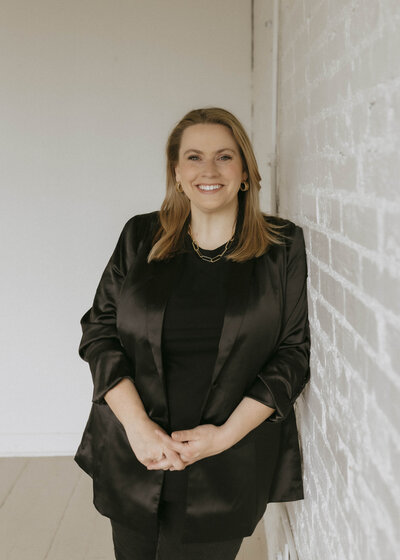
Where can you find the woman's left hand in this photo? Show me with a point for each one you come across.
(195, 444)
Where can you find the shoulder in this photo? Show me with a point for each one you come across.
(140, 226)
(141, 221)
(287, 225)
(136, 230)
(292, 232)
(293, 248)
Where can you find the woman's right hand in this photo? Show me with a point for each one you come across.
(126, 404)
(148, 447)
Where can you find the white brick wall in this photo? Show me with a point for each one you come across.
(338, 177)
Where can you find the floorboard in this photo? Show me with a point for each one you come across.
(47, 513)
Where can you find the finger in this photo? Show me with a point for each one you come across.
(174, 459)
(162, 435)
(177, 446)
(157, 461)
(186, 458)
(164, 464)
(184, 435)
(159, 458)
(165, 437)
(193, 456)
(151, 460)
(188, 461)
(156, 458)
(192, 452)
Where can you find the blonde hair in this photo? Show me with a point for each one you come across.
(257, 233)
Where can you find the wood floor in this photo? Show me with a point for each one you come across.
(47, 513)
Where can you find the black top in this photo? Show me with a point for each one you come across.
(191, 331)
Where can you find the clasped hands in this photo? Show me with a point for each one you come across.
(156, 450)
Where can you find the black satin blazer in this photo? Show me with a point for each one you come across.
(263, 353)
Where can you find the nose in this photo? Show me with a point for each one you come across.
(210, 168)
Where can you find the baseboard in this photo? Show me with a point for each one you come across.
(38, 445)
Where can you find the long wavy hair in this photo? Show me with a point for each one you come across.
(257, 233)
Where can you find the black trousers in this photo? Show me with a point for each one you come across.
(130, 545)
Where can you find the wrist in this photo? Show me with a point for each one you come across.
(137, 422)
(226, 436)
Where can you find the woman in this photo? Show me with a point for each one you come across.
(198, 344)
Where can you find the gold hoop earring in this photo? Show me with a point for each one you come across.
(246, 186)
(178, 187)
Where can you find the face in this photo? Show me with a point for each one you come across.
(210, 168)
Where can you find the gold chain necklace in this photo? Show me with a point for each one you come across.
(206, 257)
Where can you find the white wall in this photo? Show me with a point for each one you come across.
(338, 148)
(264, 98)
(90, 91)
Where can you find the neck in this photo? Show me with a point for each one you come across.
(211, 230)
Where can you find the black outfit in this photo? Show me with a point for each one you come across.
(192, 328)
(191, 331)
(261, 351)
(131, 545)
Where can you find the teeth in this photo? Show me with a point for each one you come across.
(209, 187)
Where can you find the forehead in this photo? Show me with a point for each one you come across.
(208, 136)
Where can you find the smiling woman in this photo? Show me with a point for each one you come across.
(210, 179)
(198, 343)
(210, 148)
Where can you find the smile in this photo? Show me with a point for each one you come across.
(209, 187)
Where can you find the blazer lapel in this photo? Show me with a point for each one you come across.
(164, 275)
(238, 291)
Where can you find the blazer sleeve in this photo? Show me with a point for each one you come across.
(284, 376)
(100, 345)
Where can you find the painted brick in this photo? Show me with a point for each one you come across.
(362, 318)
(378, 125)
(315, 401)
(329, 214)
(338, 176)
(325, 319)
(385, 65)
(313, 273)
(309, 206)
(362, 21)
(392, 344)
(320, 245)
(360, 224)
(343, 171)
(383, 392)
(359, 122)
(345, 261)
(381, 283)
(346, 344)
(391, 240)
(331, 290)
(319, 346)
(381, 174)
(378, 438)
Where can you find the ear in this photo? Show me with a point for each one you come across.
(177, 174)
(244, 176)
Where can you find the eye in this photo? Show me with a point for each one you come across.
(190, 157)
(226, 156)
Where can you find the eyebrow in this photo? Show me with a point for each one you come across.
(217, 152)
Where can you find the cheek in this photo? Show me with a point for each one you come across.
(188, 169)
(235, 171)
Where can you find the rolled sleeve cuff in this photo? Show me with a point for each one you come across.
(262, 393)
(98, 396)
(108, 368)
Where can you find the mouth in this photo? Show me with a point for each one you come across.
(209, 188)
